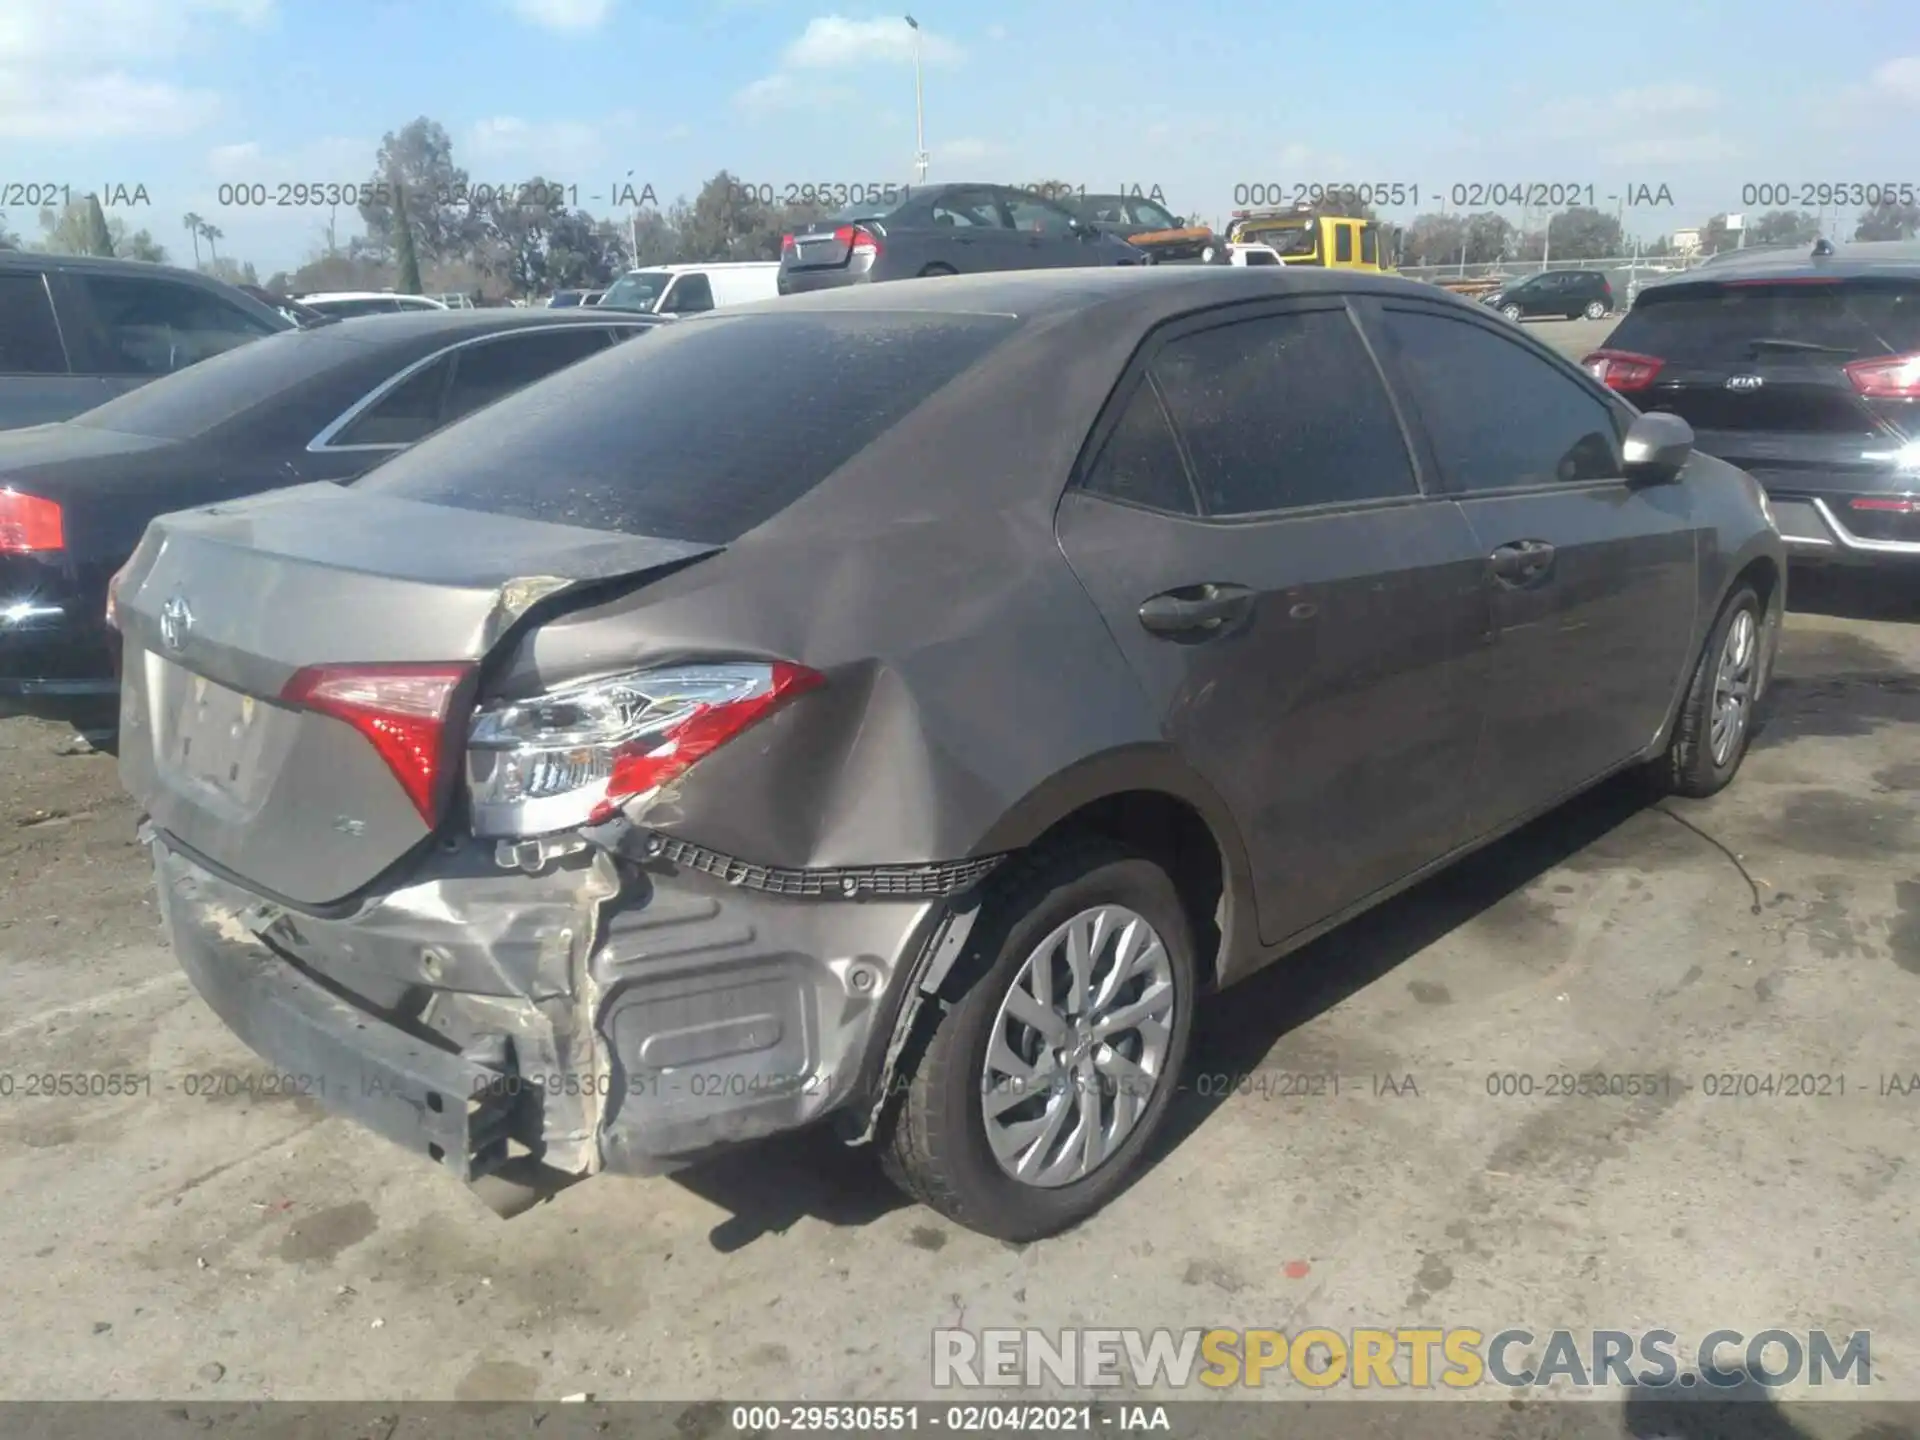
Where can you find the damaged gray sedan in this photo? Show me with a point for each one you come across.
(896, 707)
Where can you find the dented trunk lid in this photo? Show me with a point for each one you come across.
(220, 607)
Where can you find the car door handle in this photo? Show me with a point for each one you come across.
(1208, 609)
(1520, 561)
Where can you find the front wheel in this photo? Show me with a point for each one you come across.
(1716, 717)
(1041, 1086)
(1596, 310)
(1512, 312)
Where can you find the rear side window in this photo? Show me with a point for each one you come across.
(1281, 412)
(1140, 462)
(483, 373)
(29, 338)
(1842, 320)
(1499, 416)
(408, 412)
(709, 429)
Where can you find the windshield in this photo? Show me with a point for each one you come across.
(1289, 238)
(346, 309)
(1145, 212)
(639, 291)
(193, 401)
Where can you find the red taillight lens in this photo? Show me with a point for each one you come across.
(649, 763)
(575, 755)
(858, 239)
(1894, 504)
(1622, 369)
(787, 246)
(113, 597)
(1894, 377)
(29, 524)
(401, 709)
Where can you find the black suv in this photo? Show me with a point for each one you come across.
(1803, 369)
(76, 331)
(1565, 294)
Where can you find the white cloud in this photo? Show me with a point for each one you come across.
(781, 91)
(72, 69)
(832, 42)
(1899, 79)
(1672, 150)
(567, 17)
(50, 105)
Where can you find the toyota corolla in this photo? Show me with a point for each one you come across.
(896, 706)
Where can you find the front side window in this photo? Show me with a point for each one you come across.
(1499, 416)
(29, 337)
(964, 208)
(690, 296)
(154, 327)
(1282, 412)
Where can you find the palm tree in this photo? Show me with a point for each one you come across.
(193, 223)
(212, 233)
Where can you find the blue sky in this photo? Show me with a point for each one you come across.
(1704, 96)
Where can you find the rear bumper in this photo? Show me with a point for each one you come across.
(53, 643)
(599, 1014)
(800, 282)
(1815, 530)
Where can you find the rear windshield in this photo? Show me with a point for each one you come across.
(711, 428)
(211, 392)
(1855, 318)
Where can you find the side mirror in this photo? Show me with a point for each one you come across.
(1657, 447)
(1179, 222)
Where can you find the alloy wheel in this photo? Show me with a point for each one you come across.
(1078, 1048)
(1733, 687)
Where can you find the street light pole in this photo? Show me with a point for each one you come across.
(919, 111)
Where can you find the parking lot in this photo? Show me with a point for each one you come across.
(174, 1243)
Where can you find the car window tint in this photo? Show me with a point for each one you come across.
(29, 338)
(485, 372)
(1037, 217)
(1719, 323)
(1283, 411)
(703, 432)
(690, 296)
(1140, 460)
(1145, 212)
(154, 327)
(1499, 416)
(1343, 242)
(967, 207)
(408, 412)
(227, 387)
(1369, 246)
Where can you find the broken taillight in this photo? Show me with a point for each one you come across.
(400, 709)
(574, 755)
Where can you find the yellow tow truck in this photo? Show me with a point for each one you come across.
(1300, 237)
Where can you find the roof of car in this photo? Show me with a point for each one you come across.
(108, 265)
(1849, 260)
(1155, 291)
(398, 324)
(313, 295)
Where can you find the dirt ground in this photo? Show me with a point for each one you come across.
(165, 1243)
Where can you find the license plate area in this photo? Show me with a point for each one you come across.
(210, 738)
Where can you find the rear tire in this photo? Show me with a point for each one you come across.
(1596, 310)
(1711, 735)
(993, 1110)
(937, 269)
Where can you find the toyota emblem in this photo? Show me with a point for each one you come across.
(176, 623)
(1745, 382)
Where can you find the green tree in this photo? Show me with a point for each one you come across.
(1490, 236)
(213, 235)
(192, 222)
(1784, 227)
(1583, 233)
(444, 218)
(234, 272)
(1888, 221)
(8, 240)
(405, 256)
(1434, 239)
(99, 239)
(135, 245)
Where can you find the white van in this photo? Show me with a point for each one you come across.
(689, 289)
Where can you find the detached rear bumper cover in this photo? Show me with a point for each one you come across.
(604, 1013)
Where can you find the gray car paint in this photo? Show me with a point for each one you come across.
(977, 694)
